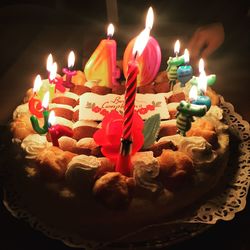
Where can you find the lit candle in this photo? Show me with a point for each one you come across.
(185, 72)
(210, 80)
(177, 60)
(123, 164)
(69, 71)
(173, 63)
(53, 78)
(35, 105)
(49, 63)
(101, 66)
(184, 117)
(45, 114)
(56, 131)
(150, 60)
(200, 99)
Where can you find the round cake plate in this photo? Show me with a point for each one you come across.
(222, 206)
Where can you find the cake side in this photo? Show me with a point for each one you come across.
(74, 186)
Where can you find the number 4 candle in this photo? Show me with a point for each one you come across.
(101, 66)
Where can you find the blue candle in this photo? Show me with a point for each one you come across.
(202, 100)
(184, 74)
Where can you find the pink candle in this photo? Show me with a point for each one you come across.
(150, 60)
(101, 66)
(68, 71)
(53, 78)
(56, 131)
(123, 164)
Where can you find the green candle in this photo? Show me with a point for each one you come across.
(34, 120)
(35, 123)
(211, 79)
(185, 114)
(176, 61)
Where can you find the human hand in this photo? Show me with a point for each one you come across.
(206, 40)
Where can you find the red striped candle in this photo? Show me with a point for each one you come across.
(130, 94)
(123, 164)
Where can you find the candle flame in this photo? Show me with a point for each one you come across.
(37, 84)
(186, 56)
(45, 102)
(49, 62)
(71, 59)
(202, 81)
(201, 65)
(53, 71)
(111, 30)
(177, 47)
(141, 42)
(193, 93)
(149, 19)
(52, 117)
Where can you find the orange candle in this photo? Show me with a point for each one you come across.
(101, 66)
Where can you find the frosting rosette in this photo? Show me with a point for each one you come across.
(198, 149)
(146, 171)
(81, 171)
(34, 144)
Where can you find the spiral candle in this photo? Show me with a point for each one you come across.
(130, 99)
(123, 164)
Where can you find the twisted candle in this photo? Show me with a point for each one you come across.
(123, 164)
(130, 94)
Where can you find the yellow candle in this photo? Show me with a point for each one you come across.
(101, 66)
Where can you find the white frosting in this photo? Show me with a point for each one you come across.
(215, 112)
(175, 139)
(215, 115)
(68, 94)
(198, 149)
(85, 123)
(146, 169)
(62, 106)
(33, 144)
(81, 170)
(21, 110)
(63, 121)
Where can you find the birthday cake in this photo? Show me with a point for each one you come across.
(102, 160)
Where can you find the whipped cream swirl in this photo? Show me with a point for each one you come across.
(22, 109)
(198, 149)
(33, 144)
(81, 170)
(145, 173)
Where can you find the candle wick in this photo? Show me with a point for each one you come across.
(135, 55)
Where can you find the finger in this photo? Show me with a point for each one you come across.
(196, 49)
(207, 51)
(192, 42)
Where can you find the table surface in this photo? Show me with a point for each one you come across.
(30, 33)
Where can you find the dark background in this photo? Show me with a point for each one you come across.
(30, 30)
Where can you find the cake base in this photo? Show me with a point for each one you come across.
(64, 223)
